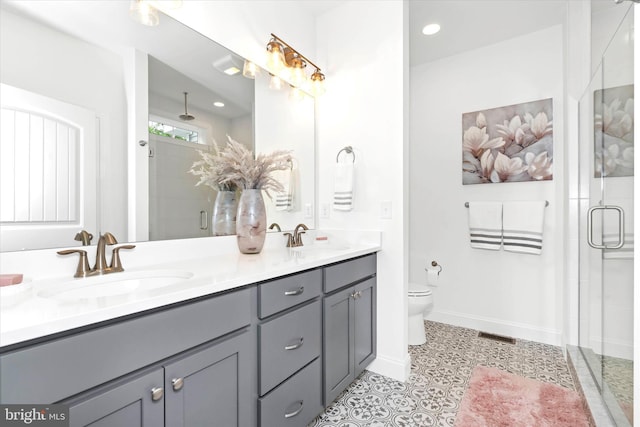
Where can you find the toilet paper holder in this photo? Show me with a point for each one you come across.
(435, 264)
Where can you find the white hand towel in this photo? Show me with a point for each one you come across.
(522, 226)
(343, 187)
(485, 225)
(284, 199)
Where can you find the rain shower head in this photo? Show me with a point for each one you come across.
(186, 116)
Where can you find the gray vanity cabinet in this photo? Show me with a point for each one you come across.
(207, 386)
(349, 327)
(128, 403)
(290, 345)
(212, 386)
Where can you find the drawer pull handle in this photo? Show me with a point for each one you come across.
(298, 291)
(156, 393)
(177, 383)
(296, 345)
(296, 412)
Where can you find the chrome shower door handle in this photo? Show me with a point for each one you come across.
(620, 227)
(204, 220)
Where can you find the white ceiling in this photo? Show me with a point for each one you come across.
(470, 24)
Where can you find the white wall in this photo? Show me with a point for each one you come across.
(365, 107)
(500, 292)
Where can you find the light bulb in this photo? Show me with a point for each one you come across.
(317, 83)
(142, 12)
(275, 57)
(297, 75)
(275, 83)
(250, 69)
(296, 94)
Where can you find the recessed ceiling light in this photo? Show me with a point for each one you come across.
(430, 29)
(218, 104)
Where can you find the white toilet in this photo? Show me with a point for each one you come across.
(420, 303)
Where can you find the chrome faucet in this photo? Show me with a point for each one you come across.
(297, 235)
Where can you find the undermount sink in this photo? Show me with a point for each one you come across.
(115, 284)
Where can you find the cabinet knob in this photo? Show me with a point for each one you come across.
(157, 393)
(177, 383)
(298, 291)
(296, 412)
(296, 345)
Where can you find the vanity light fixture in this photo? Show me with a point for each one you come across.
(142, 12)
(288, 64)
(250, 70)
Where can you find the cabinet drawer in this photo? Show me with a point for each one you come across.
(280, 294)
(296, 402)
(287, 343)
(63, 367)
(338, 275)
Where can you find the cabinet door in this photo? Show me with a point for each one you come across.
(364, 324)
(338, 343)
(127, 403)
(213, 385)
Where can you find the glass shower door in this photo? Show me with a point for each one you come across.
(607, 172)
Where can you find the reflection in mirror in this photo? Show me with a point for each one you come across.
(57, 50)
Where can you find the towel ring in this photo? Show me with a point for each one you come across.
(349, 150)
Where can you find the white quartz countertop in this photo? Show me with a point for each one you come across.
(39, 307)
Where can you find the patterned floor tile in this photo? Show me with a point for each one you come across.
(440, 373)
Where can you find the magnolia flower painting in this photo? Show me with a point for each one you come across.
(613, 131)
(508, 144)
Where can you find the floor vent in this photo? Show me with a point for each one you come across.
(494, 337)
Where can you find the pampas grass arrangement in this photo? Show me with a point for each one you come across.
(242, 169)
(235, 167)
(211, 170)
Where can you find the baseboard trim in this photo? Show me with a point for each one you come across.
(397, 369)
(497, 326)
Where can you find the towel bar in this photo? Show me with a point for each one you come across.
(466, 204)
(349, 150)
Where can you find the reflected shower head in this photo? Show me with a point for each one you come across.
(186, 116)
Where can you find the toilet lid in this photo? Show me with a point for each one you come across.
(419, 291)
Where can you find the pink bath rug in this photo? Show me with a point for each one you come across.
(496, 398)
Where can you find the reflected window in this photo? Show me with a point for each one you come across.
(165, 128)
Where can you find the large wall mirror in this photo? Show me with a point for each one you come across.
(92, 134)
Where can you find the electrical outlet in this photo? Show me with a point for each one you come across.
(325, 210)
(308, 210)
(385, 209)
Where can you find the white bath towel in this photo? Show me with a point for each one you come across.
(343, 187)
(522, 226)
(485, 225)
(284, 199)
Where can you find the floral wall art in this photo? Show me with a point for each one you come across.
(508, 144)
(613, 131)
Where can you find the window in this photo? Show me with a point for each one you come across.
(171, 131)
